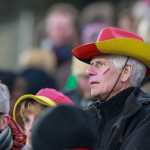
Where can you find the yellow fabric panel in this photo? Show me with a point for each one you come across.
(128, 47)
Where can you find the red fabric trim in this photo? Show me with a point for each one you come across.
(86, 51)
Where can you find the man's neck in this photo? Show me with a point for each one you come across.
(116, 91)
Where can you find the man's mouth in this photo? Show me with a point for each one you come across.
(93, 82)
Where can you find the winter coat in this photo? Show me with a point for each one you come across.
(6, 140)
(123, 121)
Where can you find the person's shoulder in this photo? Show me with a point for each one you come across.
(144, 98)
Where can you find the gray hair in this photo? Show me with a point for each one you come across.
(4, 99)
(139, 69)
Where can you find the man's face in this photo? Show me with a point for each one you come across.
(103, 75)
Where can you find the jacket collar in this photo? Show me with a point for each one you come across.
(135, 101)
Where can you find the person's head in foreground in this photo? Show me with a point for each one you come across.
(29, 107)
(5, 132)
(119, 60)
(11, 135)
(64, 127)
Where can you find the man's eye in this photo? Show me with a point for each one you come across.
(100, 63)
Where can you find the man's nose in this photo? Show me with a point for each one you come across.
(90, 71)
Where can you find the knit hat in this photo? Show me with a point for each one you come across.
(64, 127)
(46, 96)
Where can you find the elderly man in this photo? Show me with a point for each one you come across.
(119, 61)
(11, 135)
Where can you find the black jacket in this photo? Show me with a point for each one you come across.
(123, 121)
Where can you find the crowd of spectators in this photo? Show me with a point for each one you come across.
(50, 64)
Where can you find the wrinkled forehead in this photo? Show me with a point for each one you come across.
(105, 57)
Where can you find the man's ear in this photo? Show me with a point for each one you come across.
(126, 73)
(4, 121)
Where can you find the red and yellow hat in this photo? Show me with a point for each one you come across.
(46, 96)
(115, 41)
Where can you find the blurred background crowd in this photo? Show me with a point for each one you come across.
(36, 39)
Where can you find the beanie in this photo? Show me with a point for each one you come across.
(64, 127)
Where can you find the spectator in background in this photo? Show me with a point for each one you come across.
(125, 19)
(29, 107)
(90, 31)
(37, 67)
(39, 59)
(143, 30)
(16, 84)
(12, 136)
(80, 94)
(131, 13)
(8, 78)
(37, 79)
(60, 30)
(61, 35)
(141, 9)
(64, 127)
(97, 12)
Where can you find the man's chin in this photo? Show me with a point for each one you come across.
(94, 94)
